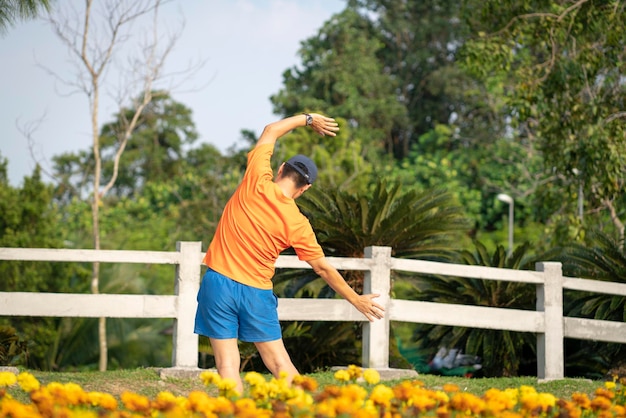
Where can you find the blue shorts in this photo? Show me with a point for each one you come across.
(229, 309)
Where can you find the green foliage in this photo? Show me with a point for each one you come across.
(598, 257)
(341, 75)
(565, 62)
(12, 350)
(13, 10)
(503, 353)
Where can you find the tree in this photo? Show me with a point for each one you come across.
(567, 61)
(97, 45)
(13, 10)
(342, 76)
(29, 218)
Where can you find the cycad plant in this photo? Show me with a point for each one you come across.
(419, 225)
(416, 225)
(503, 353)
(600, 257)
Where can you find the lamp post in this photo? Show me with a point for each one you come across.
(578, 173)
(508, 199)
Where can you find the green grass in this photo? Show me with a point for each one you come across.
(147, 382)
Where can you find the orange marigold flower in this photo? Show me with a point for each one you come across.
(135, 403)
(12, 408)
(600, 403)
(467, 403)
(605, 393)
(199, 401)
(102, 400)
(404, 390)
(307, 383)
(619, 410)
(582, 400)
(450, 387)
(222, 405)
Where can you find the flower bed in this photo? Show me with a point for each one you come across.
(356, 393)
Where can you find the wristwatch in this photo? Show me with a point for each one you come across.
(309, 119)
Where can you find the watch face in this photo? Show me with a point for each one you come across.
(309, 119)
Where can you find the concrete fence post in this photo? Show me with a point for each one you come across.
(185, 342)
(376, 334)
(550, 357)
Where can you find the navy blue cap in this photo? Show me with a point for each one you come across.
(305, 166)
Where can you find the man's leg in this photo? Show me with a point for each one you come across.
(227, 360)
(276, 358)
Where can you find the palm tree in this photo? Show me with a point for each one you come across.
(503, 352)
(13, 10)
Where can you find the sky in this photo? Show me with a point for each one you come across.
(245, 45)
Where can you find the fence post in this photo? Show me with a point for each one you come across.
(550, 358)
(376, 334)
(185, 342)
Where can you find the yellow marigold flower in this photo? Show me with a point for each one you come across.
(354, 371)
(527, 390)
(28, 382)
(342, 375)
(227, 387)
(546, 401)
(354, 393)
(440, 396)
(199, 401)
(371, 376)
(102, 400)
(135, 403)
(498, 401)
(450, 387)
(7, 379)
(210, 378)
(382, 395)
(610, 385)
(422, 400)
(254, 379)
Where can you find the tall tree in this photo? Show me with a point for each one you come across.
(341, 75)
(95, 38)
(567, 59)
(13, 10)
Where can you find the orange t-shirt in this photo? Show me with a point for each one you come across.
(258, 223)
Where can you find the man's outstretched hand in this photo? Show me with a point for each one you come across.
(368, 307)
(324, 125)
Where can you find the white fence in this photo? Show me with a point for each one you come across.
(547, 321)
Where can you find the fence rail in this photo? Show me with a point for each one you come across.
(546, 321)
